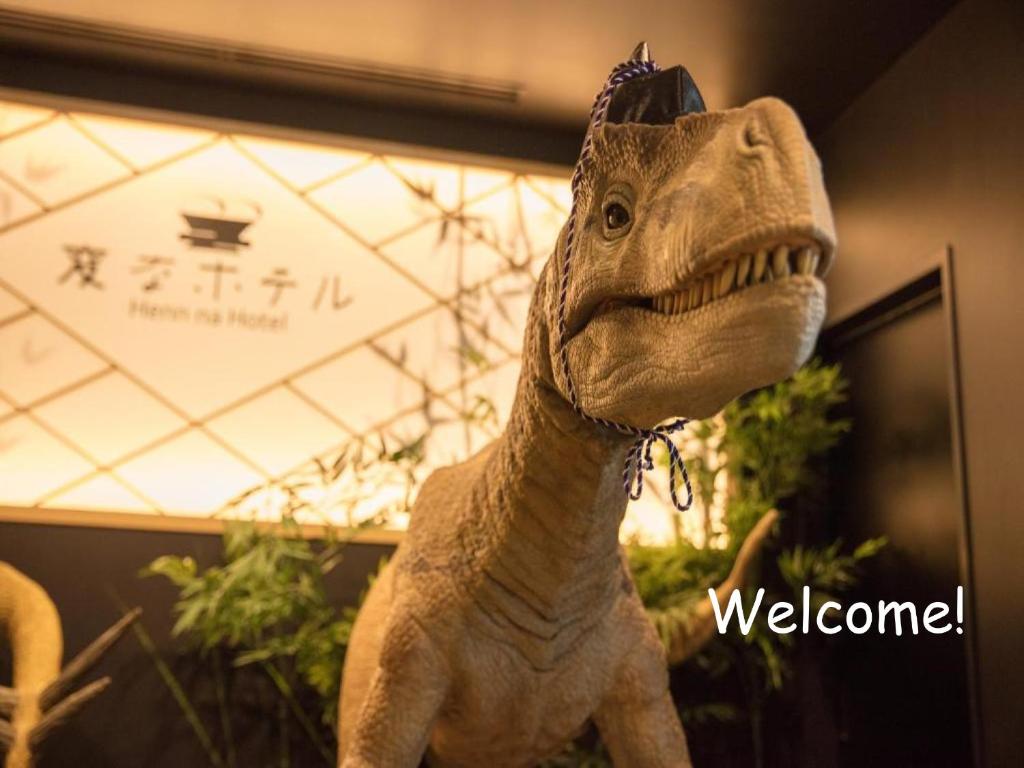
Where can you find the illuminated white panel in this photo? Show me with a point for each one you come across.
(278, 431)
(18, 117)
(33, 462)
(440, 349)
(9, 306)
(56, 162)
(447, 258)
(39, 359)
(440, 182)
(14, 205)
(497, 388)
(499, 307)
(190, 475)
(301, 165)
(189, 317)
(140, 143)
(99, 493)
(554, 189)
(478, 182)
(205, 325)
(448, 438)
(362, 389)
(109, 417)
(374, 203)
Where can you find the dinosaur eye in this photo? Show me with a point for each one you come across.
(616, 216)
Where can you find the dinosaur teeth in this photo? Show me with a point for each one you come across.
(806, 261)
(726, 278)
(780, 261)
(743, 269)
(738, 272)
(803, 261)
(760, 261)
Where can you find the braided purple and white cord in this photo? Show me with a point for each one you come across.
(638, 457)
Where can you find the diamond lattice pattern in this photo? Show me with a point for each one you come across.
(187, 315)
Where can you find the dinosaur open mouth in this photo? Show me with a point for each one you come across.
(729, 275)
(735, 273)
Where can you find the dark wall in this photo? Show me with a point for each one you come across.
(903, 702)
(289, 107)
(931, 154)
(136, 721)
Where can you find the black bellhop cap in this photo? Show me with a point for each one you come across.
(656, 99)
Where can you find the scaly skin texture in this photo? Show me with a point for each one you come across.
(507, 618)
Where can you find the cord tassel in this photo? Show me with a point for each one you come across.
(638, 457)
(639, 461)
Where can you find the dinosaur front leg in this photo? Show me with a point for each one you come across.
(637, 720)
(644, 733)
(403, 700)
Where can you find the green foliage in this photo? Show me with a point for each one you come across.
(266, 605)
(824, 569)
(665, 576)
(771, 435)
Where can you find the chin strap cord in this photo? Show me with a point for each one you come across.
(638, 457)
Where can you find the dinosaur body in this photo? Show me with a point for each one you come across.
(526, 610)
(507, 619)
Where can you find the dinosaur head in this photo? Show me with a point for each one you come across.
(701, 241)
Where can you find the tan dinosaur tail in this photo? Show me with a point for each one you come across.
(37, 701)
(695, 634)
(37, 645)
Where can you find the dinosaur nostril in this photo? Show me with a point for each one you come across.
(754, 134)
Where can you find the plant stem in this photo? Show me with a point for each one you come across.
(289, 696)
(187, 709)
(284, 759)
(222, 707)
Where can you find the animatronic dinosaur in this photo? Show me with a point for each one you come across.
(688, 273)
(39, 700)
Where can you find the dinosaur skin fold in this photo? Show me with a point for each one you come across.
(507, 618)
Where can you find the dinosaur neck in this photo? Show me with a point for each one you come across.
(551, 501)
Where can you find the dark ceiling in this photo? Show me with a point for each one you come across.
(531, 62)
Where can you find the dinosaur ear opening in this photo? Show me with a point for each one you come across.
(656, 99)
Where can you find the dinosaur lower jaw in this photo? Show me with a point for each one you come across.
(635, 365)
(736, 273)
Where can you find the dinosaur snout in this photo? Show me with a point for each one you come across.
(773, 178)
(753, 183)
(767, 125)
